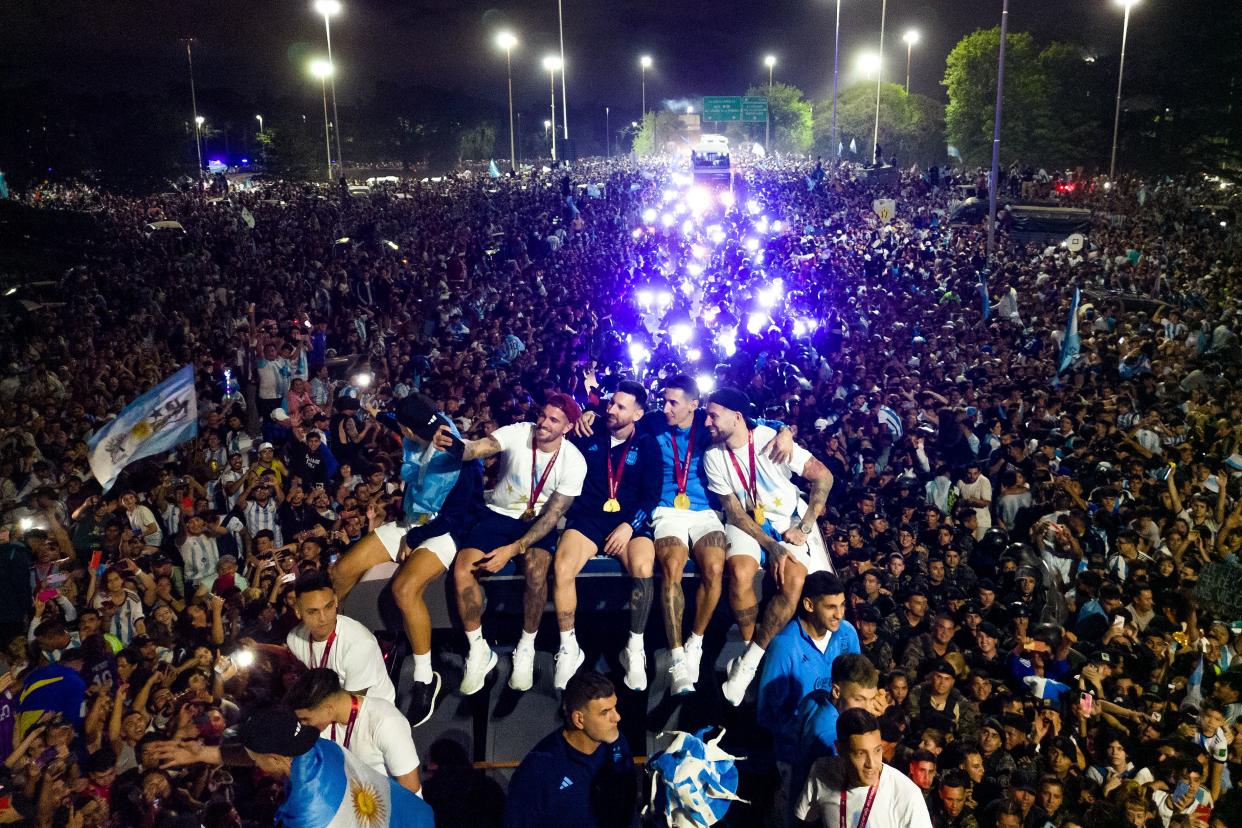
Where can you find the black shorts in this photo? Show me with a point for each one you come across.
(596, 526)
(495, 530)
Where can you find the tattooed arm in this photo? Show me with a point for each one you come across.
(556, 507)
(821, 484)
(740, 518)
(479, 449)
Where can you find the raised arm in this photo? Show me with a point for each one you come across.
(479, 449)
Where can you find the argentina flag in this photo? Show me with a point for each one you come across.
(330, 788)
(156, 422)
(890, 420)
(429, 476)
(1070, 343)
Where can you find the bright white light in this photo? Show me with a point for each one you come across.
(649, 215)
(766, 297)
(727, 199)
(799, 327)
(321, 68)
(688, 287)
(552, 63)
(1224, 224)
(911, 37)
(638, 233)
(868, 64)
(715, 234)
(328, 8)
(506, 40)
(679, 208)
(667, 219)
(753, 207)
(698, 199)
(25, 524)
(10, 291)
(752, 245)
(687, 227)
(680, 333)
(706, 383)
(645, 61)
(669, 195)
(694, 354)
(199, 120)
(664, 298)
(645, 298)
(699, 251)
(363, 379)
(776, 226)
(762, 225)
(727, 342)
(1127, 3)
(243, 658)
(769, 61)
(694, 269)
(639, 353)
(756, 322)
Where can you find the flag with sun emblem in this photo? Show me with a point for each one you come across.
(158, 421)
(330, 788)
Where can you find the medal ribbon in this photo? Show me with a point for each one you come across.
(866, 809)
(614, 478)
(681, 471)
(537, 489)
(323, 662)
(751, 485)
(354, 704)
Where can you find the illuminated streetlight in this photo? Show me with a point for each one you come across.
(868, 64)
(507, 40)
(552, 64)
(260, 119)
(875, 137)
(198, 122)
(911, 37)
(322, 70)
(770, 62)
(644, 64)
(329, 9)
(836, 66)
(1125, 30)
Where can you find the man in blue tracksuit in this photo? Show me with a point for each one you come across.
(799, 661)
(581, 775)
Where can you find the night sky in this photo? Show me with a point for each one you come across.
(260, 47)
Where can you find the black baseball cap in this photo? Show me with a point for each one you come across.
(276, 730)
(867, 613)
(732, 399)
(990, 630)
(941, 665)
(417, 412)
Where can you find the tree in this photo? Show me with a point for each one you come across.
(790, 117)
(663, 126)
(911, 126)
(477, 143)
(1028, 133)
(294, 148)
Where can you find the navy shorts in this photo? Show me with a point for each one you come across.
(495, 530)
(596, 526)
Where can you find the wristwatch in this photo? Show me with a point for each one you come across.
(802, 526)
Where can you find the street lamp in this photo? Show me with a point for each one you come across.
(868, 64)
(331, 8)
(560, 22)
(875, 138)
(322, 69)
(644, 63)
(553, 64)
(770, 62)
(507, 40)
(198, 122)
(836, 65)
(996, 126)
(607, 132)
(260, 119)
(1125, 30)
(911, 37)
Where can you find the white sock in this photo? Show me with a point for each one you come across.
(527, 641)
(752, 656)
(475, 638)
(422, 668)
(569, 641)
(678, 654)
(694, 642)
(636, 641)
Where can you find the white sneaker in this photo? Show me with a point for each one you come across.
(479, 663)
(694, 657)
(682, 683)
(523, 677)
(567, 663)
(740, 677)
(634, 662)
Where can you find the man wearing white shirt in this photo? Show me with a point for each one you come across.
(876, 795)
(368, 727)
(766, 514)
(326, 639)
(539, 473)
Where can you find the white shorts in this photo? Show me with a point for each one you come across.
(687, 526)
(442, 546)
(813, 554)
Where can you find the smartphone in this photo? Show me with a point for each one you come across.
(332, 559)
(1119, 621)
(1181, 790)
(96, 559)
(223, 664)
(45, 757)
(56, 579)
(46, 595)
(1086, 702)
(288, 578)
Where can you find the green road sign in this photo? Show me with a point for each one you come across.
(722, 108)
(755, 109)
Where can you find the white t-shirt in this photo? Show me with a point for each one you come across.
(981, 489)
(355, 656)
(513, 479)
(140, 519)
(381, 738)
(200, 558)
(898, 801)
(777, 492)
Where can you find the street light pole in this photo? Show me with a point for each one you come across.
(645, 63)
(552, 63)
(911, 37)
(770, 62)
(996, 126)
(506, 41)
(836, 64)
(198, 141)
(879, 75)
(560, 22)
(328, 8)
(322, 69)
(260, 118)
(1125, 30)
(607, 132)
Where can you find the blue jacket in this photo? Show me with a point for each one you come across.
(792, 667)
(558, 785)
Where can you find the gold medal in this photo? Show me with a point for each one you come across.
(682, 501)
(612, 505)
(422, 520)
(528, 515)
(759, 515)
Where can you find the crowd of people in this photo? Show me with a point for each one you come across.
(980, 527)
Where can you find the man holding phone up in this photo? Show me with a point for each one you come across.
(443, 496)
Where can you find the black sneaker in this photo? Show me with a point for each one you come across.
(423, 700)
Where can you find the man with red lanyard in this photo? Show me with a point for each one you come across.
(370, 728)
(855, 789)
(538, 475)
(612, 517)
(338, 642)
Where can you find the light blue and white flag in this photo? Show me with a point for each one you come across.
(330, 788)
(853, 146)
(890, 420)
(1070, 342)
(694, 781)
(429, 476)
(158, 421)
(1045, 688)
(492, 169)
(987, 300)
